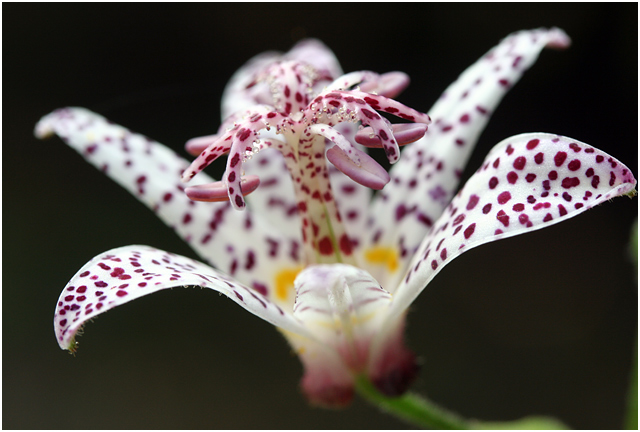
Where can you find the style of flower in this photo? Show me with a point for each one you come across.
(314, 253)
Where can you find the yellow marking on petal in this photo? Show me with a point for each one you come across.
(284, 282)
(332, 322)
(383, 255)
(361, 319)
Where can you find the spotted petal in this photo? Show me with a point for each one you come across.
(124, 274)
(427, 175)
(242, 245)
(527, 182)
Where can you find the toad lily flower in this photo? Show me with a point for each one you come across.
(313, 252)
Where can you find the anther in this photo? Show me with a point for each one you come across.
(195, 146)
(404, 133)
(369, 173)
(217, 192)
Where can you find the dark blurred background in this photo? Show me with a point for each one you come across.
(545, 324)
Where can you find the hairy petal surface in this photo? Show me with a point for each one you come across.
(124, 274)
(242, 245)
(527, 182)
(425, 179)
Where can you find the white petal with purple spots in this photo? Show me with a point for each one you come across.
(124, 274)
(527, 182)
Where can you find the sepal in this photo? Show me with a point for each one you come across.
(120, 275)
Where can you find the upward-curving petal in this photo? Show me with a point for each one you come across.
(527, 182)
(124, 274)
(243, 246)
(427, 175)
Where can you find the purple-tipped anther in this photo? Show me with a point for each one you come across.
(369, 173)
(218, 191)
(195, 146)
(404, 133)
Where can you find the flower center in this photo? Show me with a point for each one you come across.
(300, 127)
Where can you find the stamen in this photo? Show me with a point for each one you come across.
(351, 79)
(390, 84)
(218, 191)
(405, 133)
(195, 146)
(333, 135)
(369, 173)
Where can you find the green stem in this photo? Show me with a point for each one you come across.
(410, 407)
(419, 411)
(631, 419)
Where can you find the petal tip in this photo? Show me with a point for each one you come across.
(558, 39)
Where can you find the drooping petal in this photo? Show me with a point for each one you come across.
(427, 175)
(124, 274)
(527, 182)
(245, 247)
